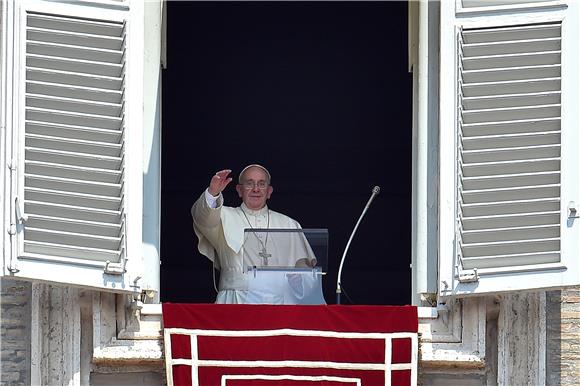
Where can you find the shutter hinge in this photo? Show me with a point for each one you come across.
(468, 276)
(138, 298)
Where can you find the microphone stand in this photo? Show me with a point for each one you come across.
(375, 191)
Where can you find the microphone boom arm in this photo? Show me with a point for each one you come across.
(375, 191)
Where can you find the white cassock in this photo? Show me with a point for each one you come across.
(222, 238)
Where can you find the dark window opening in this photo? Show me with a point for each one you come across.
(320, 94)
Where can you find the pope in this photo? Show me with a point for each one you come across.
(233, 237)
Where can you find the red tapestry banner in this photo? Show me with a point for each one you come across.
(264, 345)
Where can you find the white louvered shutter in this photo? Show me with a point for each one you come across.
(74, 137)
(74, 169)
(514, 145)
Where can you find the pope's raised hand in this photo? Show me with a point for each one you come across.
(219, 181)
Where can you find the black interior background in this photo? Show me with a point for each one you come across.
(320, 94)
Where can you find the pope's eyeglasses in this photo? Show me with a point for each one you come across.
(249, 185)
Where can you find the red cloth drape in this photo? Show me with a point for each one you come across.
(234, 344)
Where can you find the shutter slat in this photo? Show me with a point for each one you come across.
(73, 159)
(62, 184)
(512, 180)
(72, 212)
(511, 247)
(513, 127)
(510, 167)
(513, 260)
(511, 140)
(74, 92)
(510, 207)
(511, 153)
(73, 145)
(73, 132)
(63, 51)
(72, 172)
(74, 105)
(510, 194)
(59, 23)
(74, 78)
(500, 34)
(75, 199)
(511, 220)
(511, 113)
(75, 38)
(529, 86)
(524, 46)
(75, 65)
(512, 233)
(68, 225)
(512, 100)
(515, 60)
(73, 119)
(73, 239)
(68, 251)
(512, 74)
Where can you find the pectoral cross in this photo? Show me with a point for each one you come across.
(265, 255)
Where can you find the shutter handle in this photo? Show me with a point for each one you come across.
(20, 216)
(572, 210)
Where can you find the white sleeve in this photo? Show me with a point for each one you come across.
(211, 200)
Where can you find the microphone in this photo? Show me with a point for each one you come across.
(374, 193)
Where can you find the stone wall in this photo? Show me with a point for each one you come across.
(563, 337)
(128, 379)
(15, 337)
(562, 315)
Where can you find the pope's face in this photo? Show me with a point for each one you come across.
(254, 189)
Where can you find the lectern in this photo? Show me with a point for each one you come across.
(285, 266)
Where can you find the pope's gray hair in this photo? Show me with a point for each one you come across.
(254, 166)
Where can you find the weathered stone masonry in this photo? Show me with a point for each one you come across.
(15, 339)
